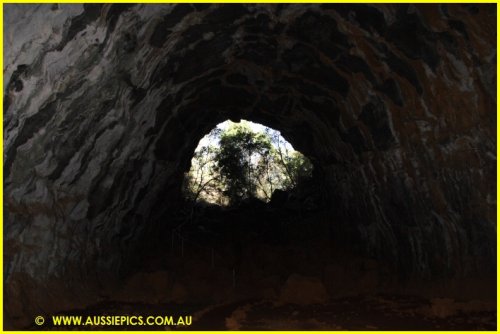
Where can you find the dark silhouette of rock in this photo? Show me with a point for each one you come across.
(394, 104)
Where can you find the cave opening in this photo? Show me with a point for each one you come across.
(244, 161)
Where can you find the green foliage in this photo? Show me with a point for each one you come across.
(239, 161)
(244, 164)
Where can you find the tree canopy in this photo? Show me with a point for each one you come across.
(237, 163)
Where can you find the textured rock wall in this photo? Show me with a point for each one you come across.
(104, 105)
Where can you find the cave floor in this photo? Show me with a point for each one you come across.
(264, 256)
(382, 312)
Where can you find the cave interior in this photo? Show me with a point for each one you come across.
(395, 106)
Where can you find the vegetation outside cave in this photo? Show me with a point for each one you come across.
(242, 161)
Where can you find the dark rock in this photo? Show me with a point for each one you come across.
(279, 198)
(459, 26)
(90, 13)
(104, 105)
(114, 13)
(391, 88)
(411, 36)
(368, 17)
(321, 31)
(355, 139)
(162, 29)
(374, 115)
(354, 64)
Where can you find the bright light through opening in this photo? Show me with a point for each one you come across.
(256, 127)
(239, 161)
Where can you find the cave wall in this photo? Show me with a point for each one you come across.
(104, 105)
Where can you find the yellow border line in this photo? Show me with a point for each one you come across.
(498, 172)
(256, 1)
(1, 171)
(222, 1)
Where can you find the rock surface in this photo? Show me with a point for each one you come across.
(104, 104)
(147, 287)
(303, 290)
